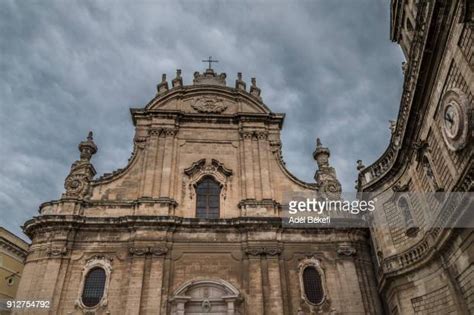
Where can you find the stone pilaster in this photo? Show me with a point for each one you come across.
(153, 281)
(149, 168)
(255, 290)
(248, 165)
(275, 301)
(167, 162)
(263, 149)
(135, 284)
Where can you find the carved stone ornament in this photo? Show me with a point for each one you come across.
(77, 183)
(212, 168)
(56, 251)
(142, 251)
(346, 250)
(100, 261)
(456, 124)
(263, 250)
(209, 104)
(331, 188)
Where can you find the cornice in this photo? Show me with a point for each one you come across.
(195, 90)
(44, 223)
(12, 248)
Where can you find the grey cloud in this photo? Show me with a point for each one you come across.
(70, 67)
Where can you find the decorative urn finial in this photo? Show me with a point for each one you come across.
(87, 147)
(321, 154)
(325, 176)
(239, 83)
(162, 87)
(254, 90)
(77, 183)
(178, 81)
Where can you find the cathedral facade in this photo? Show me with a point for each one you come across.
(192, 224)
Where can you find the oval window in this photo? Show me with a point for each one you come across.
(313, 286)
(94, 285)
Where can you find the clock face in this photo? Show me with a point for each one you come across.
(455, 119)
(452, 120)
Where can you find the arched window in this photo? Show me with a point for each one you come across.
(94, 285)
(405, 209)
(313, 286)
(208, 198)
(410, 228)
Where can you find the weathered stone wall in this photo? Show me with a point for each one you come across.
(430, 272)
(148, 266)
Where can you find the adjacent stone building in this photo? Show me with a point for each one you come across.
(13, 252)
(426, 266)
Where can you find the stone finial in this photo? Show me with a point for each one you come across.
(178, 81)
(321, 154)
(77, 183)
(318, 142)
(360, 165)
(239, 83)
(325, 176)
(209, 77)
(162, 87)
(254, 90)
(392, 125)
(87, 147)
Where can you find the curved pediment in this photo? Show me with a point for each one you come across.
(207, 100)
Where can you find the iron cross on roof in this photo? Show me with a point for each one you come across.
(210, 61)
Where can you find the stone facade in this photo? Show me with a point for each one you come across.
(139, 223)
(428, 270)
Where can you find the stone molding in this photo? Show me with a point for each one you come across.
(12, 248)
(148, 251)
(230, 295)
(162, 132)
(253, 134)
(379, 168)
(270, 250)
(346, 250)
(205, 167)
(57, 252)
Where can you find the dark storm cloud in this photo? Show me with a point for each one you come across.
(69, 67)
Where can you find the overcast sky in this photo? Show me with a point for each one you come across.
(67, 67)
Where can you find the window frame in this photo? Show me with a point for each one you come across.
(97, 261)
(86, 278)
(316, 264)
(218, 187)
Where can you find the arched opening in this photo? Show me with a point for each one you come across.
(94, 285)
(208, 192)
(217, 297)
(313, 285)
(404, 207)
